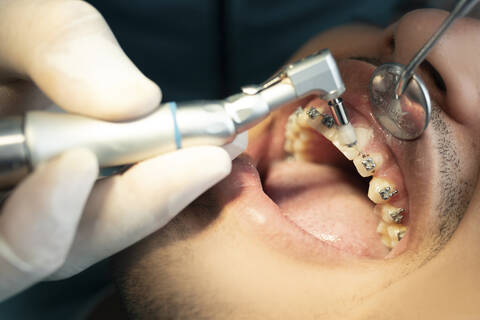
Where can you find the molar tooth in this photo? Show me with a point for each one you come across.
(367, 164)
(288, 147)
(389, 213)
(381, 190)
(396, 231)
(382, 228)
(387, 242)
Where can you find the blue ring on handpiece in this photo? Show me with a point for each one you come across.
(178, 136)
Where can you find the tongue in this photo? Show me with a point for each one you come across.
(327, 203)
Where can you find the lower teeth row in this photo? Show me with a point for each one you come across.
(297, 144)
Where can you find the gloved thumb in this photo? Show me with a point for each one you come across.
(68, 50)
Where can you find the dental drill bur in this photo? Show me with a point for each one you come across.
(346, 133)
(27, 141)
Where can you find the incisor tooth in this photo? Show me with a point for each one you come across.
(381, 190)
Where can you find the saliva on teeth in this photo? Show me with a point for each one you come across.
(381, 191)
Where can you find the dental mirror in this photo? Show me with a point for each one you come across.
(399, 98)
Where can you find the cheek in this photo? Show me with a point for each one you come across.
(462, 80)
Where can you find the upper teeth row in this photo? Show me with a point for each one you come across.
(380, 190)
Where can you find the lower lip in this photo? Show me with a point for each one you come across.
(255, 213)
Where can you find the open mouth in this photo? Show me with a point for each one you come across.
(352, 200)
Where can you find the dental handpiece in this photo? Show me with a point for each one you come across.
(26, 141)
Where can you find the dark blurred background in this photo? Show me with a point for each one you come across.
(210, 48)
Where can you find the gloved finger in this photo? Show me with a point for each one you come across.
(39, 220)
(125, 209)
(68, 50)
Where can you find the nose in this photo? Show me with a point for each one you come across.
(456, 57)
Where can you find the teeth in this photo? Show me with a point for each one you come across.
(380, 190)
(391, 234)
(313, 113)
(302, 118)
(306, 135)
(382, 227)
(327, 121)
(387, 242)
(303, 156)
(396, 232)
(298, 144)
(389, 213)
(321, 122)
(288, 146)
(364, 135)
(368, 164)
(349, 152)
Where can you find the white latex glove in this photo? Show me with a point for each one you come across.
(54, 224)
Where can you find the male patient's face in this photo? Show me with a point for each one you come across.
(301, 239)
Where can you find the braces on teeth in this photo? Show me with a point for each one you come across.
(301, 120)
(397, 215)
(387, 192)
(368, 163)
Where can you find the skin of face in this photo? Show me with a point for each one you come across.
(210, 263)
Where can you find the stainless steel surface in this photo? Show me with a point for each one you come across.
(205, 123)
(13, 153)
(248, 110)
(405, 118)
(461, 9)
(48, 134)
(338, 111)
(399, 99)
(317, 74)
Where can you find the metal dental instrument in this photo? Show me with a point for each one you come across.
(39, 135)
(399, 98)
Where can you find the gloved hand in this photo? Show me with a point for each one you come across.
(54, 224)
